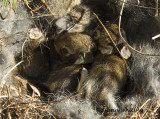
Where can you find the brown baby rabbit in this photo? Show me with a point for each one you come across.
(74, 50)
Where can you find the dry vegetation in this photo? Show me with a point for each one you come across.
(26, 106)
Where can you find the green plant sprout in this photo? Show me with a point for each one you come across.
(13, 3)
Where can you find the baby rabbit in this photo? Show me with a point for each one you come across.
(74, 50)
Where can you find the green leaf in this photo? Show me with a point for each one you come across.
(15, 4)
(5, 3)
(11, 2)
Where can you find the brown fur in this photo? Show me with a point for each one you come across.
(63, 78)
(108, 72)
(105, 79)
(105, 45)
(75, 48)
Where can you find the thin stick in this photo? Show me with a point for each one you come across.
(3, 96)
(156, 108)
(155, 37)
(23, 47)
(3, 79)
(156, 13)
(139, 108)
(50, 11)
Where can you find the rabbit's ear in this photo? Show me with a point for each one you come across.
(63, 23)
(125, 52)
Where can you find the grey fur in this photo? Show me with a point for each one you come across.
(72, 108)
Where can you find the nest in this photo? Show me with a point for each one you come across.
(21, 98)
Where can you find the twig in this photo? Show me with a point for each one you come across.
(139, 109)
(38, 8)
(3, 96)
(47, 7)
(156, 108)
(156, 13)
(8, 92)
(33, 10)
(23, 48)
(3, 79)
(155, 37)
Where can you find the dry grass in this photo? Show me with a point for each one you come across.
(24, 106)
(33, 107)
